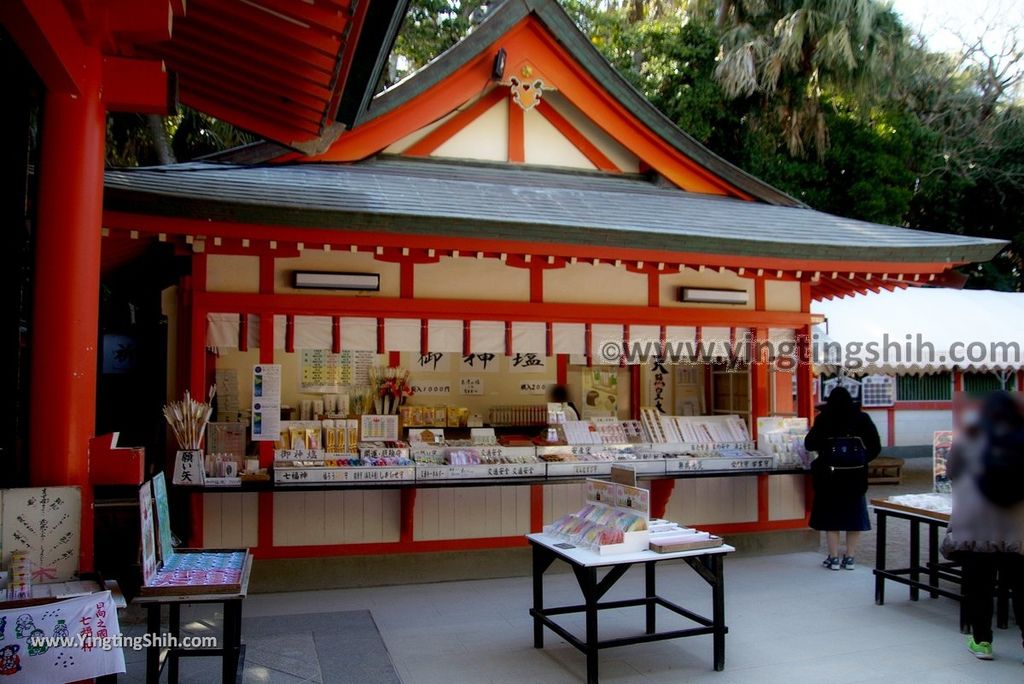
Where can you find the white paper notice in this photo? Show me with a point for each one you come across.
(471, 385)
(427, 387)
(533, 387)
(266, 402)
(266, 382)
(45, 522)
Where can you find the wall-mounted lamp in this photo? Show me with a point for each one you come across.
(498, 70)
(322, 280)
(708, 296)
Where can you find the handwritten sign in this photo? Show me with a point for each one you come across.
(353, 474)
(578, 469)
(434, 362)
(424, 388)
(188, 468)
(480, 363)
(705, 463)
(88, 623)
(470, 472)
(533, 387)
(45, 522)
(471, 385)
(528, 362)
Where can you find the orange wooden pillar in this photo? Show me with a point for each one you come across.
(65, 313)
(805, 360)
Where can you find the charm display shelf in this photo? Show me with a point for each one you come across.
(200, 571)
(167, 571)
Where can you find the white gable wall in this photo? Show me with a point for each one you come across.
(545, 145)
(485, 138)
(622, 158)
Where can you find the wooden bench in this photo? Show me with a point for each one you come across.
(885, 470)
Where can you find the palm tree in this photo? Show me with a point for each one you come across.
(792, 52)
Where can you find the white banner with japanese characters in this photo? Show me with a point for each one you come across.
(66, 641)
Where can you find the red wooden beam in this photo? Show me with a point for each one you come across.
(581, 143)
(243, 99)
(263, 26)
(268, 126)
(266, 84)
(653, 288)
(294, 78)
(763, 498)
(136, 85)
(516, 133)
(51, 41)
(317, 16)
(439, 135)
(890, 421)
(289, 334)
(227, 41)
(132, 22)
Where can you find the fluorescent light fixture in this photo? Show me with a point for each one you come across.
(706, 296)
(321, 280)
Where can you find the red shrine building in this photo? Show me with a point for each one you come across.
(515, 198)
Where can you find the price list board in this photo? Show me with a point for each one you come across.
(324, 371)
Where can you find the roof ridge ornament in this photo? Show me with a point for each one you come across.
(527, 88)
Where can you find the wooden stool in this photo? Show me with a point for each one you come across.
(885, 470)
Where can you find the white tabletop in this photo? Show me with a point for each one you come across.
(589, 559)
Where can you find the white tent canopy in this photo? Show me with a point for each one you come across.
(973, 330)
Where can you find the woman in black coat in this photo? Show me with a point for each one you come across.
(840, 506)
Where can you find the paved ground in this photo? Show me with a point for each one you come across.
(790, 621)
(917, 478)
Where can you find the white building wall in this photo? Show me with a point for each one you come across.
(915, 428)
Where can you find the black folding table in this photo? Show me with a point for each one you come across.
(707, 563)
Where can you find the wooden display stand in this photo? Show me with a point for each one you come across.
(187, 576)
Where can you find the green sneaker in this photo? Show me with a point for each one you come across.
(982, 651)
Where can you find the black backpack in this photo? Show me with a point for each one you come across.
(1002, 474)
(842, 468)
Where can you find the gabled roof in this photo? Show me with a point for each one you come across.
(506, 202)
(478, 49)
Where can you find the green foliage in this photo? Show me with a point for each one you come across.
(430, 28)
(132, 139)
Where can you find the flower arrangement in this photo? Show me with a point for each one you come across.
(388, 388)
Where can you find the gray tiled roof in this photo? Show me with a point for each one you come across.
(500, 19)
(500, 201)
